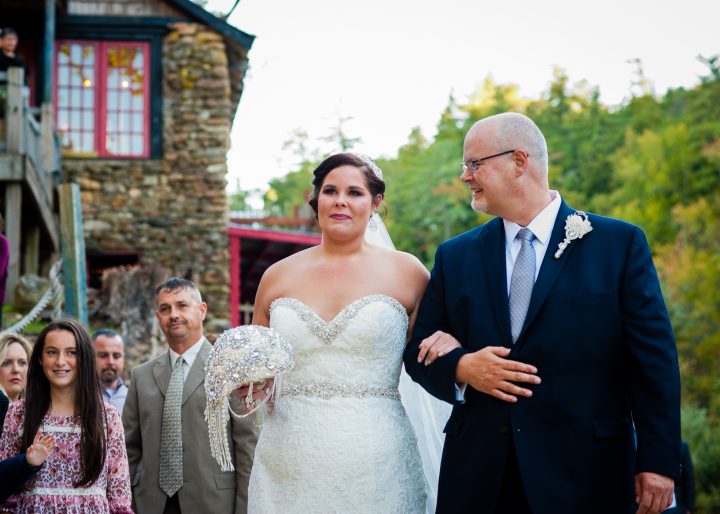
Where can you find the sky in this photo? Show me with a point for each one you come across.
(390, 65)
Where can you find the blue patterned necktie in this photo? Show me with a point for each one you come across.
(171, 447)
(521, 282)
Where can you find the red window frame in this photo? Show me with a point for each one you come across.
(102, 92)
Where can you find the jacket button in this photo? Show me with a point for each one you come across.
(503, 430)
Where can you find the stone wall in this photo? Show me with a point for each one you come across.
(173, 211)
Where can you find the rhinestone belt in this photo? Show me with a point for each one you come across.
(325, 390)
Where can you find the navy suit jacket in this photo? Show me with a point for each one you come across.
(14, 472)
(598, 332)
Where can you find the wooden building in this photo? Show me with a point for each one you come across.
(142, 95)
(253, 249)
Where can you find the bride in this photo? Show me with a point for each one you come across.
(338, 439)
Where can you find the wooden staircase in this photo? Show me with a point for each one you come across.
(29, 172)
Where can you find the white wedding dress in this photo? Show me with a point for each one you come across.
(338, 439)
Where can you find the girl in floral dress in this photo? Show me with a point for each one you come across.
(88, 470)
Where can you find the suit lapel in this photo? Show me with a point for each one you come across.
(196, 375)
(550, 268)
(161, 372)
(492, 256)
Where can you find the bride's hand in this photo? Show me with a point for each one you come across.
(261, 392)
(435, 346)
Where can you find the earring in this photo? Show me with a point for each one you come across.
(372, 224)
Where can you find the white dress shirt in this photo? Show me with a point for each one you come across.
(189, 356)
(541, 226)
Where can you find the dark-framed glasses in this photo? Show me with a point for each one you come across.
(474, 165)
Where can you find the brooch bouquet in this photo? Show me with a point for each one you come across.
(241, 356)
(576, 226)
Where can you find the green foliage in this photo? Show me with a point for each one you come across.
(11, 316)
(426, 203)
(654, 161)
(702, 433)
(34, 327)
(288, 192)
(690, 271)
(238, 200)
(654, 171)
(294, 189)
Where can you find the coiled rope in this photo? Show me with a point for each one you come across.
(54, 293)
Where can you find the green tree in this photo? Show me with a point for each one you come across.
(237, 201)
(286, 194)
(690, 270)
(339, 138)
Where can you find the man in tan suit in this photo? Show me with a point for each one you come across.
(171, 467)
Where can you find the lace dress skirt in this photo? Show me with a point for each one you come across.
(333, 455)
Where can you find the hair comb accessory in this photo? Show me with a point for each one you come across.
(370, 164)
(241, 356)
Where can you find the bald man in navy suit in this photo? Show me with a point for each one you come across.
(546, 394)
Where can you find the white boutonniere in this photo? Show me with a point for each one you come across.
(576, 226)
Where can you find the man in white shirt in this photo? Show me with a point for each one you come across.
(546, 329)
(110, 362)
(171, 466)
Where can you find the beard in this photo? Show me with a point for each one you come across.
(108, 376)
(479, 204)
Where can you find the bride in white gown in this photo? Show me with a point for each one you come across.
(338, 439)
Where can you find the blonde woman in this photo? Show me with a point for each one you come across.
(15, 353)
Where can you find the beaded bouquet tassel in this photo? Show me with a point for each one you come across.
(219, 444)
(245, 355)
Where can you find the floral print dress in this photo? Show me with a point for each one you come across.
(51, 490)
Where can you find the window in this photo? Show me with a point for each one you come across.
(100, 261)
(102, 98)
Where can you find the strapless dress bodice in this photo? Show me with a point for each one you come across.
(361, 346)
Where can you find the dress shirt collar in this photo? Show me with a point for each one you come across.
(189, 355)
(541, 226)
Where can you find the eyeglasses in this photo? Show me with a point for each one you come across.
(474, 165)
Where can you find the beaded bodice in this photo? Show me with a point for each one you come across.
(361, 347)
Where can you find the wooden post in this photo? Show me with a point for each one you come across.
(13, 219)
(15, 116)
(31, 249)
(48, 51)
(73, 253)
(47, 128)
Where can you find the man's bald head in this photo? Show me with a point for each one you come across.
(512, 130)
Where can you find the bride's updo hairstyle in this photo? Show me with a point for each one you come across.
(372, 173)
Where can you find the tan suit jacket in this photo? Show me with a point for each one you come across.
(206, 488)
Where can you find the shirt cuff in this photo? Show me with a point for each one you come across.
(460, 392)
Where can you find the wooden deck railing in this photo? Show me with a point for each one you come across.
(27, 137)
(29, 160)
